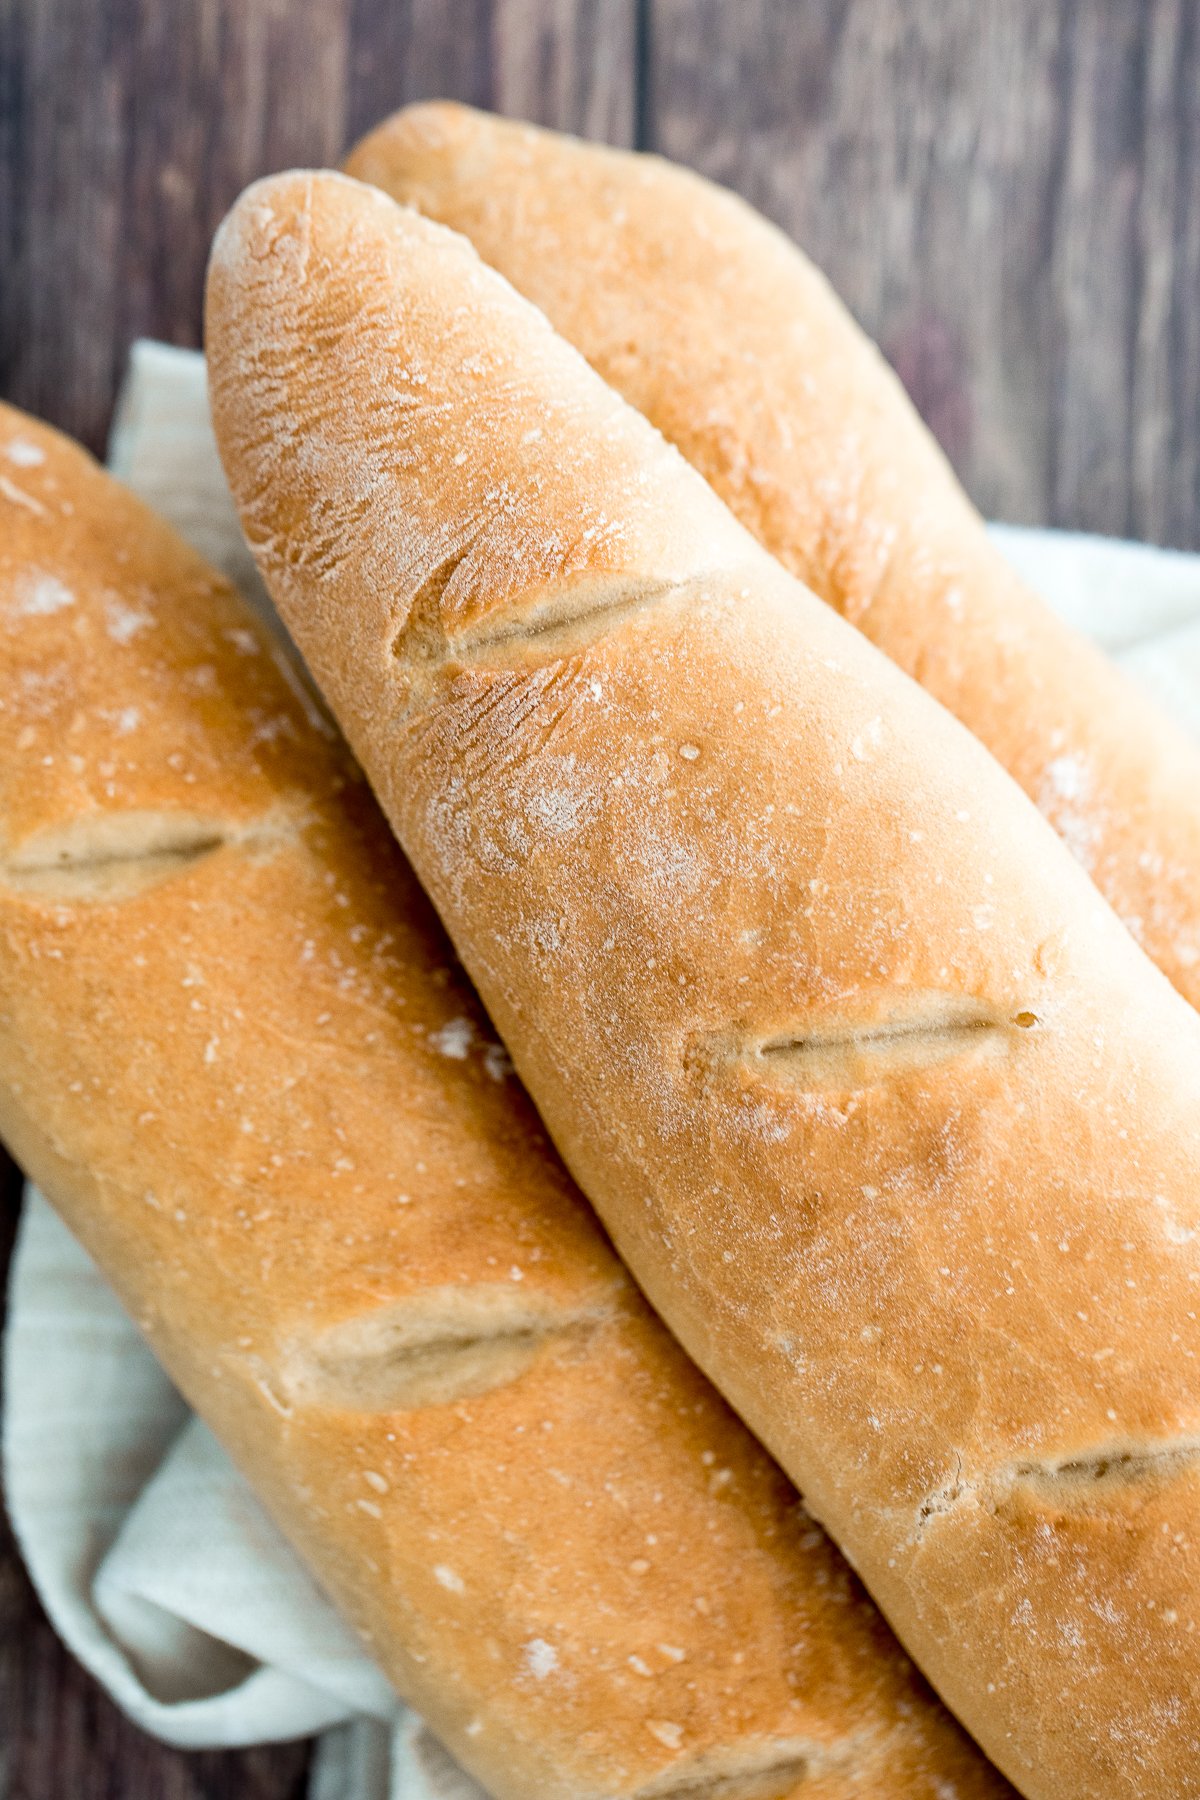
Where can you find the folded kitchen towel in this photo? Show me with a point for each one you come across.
(151, 1556)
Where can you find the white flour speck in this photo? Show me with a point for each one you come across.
(540, 1658)
(124, 623)
(1067, 778)
(243, 641)
(19, 497)
(557, 811)
(1063, 797)
(1173, 1231)
(38, 595)
(448, 1579)
(453, 1039)
(24, 454)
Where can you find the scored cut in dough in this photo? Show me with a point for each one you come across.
(938, 1281)
(722, 332)
(239, 1058)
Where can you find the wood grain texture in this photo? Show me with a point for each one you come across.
(1009, 199)
(129, 128)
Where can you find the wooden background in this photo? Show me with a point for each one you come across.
(1007, 192)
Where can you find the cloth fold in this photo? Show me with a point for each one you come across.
(152, 1557)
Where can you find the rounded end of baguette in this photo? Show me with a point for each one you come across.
(429, 142)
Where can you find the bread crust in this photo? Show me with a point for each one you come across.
(239, 1057)
(721, 331)
(892, 1120)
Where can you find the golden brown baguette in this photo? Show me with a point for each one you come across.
(717, 328)
(237, 1054)
(890, 1117)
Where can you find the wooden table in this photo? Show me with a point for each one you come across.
(1007, 192)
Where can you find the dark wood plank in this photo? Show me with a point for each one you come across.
(126, 129)
(60, 1735)
(1009, 199)
(564, 63)
(129, 127)
(139, 124)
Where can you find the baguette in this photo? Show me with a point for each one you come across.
(238, 1057)
(890, 1118)
(716, 327)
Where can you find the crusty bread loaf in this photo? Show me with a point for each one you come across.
(890, 1117)
(717, 328)
(236, 1053)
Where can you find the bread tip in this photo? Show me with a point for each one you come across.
(427, 139)
(274, 210)
(436, 120)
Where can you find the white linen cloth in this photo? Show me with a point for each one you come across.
(150, 1554)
